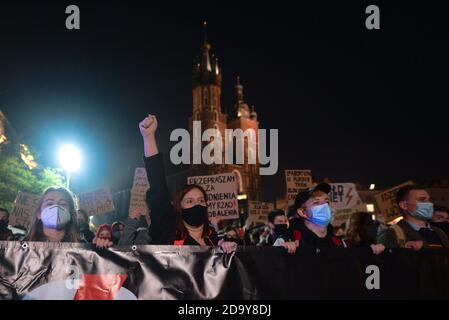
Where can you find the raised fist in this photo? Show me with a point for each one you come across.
(148, 126)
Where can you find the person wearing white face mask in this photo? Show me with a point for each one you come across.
(414, 231)
(55, 218)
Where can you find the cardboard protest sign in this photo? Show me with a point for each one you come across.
(137, 202)
(386, 202)
(140, 178)
(140, 187)
(258, 211)
(24, 208)
(221, 192)
(297, 180)
(96, 202)
(345, 201)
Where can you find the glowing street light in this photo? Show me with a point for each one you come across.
(372, 186)
(70, 159)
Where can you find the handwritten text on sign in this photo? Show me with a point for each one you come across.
(258, 211)
(24, 208)
(96, 202)
(137, 203)
(140, 178)
(296, 181)
(386, 201)
(221, 192)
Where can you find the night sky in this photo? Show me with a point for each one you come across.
(351, 104)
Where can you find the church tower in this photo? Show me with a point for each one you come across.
(206, 93)
(245, 118)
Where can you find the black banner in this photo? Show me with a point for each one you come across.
(45, 270)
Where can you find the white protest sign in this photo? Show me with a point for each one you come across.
(24, 208)
(96, 202)
(258, 211)
(221, 192)
(345, 201)
(386, 202)
(297, 180)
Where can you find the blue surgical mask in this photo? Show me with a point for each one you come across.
(424, 211)
(321, 215)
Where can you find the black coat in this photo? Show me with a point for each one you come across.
(162, 229)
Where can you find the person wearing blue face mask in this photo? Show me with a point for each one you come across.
(414, 230)
(314, 209)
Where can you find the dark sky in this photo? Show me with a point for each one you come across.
(350, 104)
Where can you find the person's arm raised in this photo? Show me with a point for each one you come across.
(163, 219)
(148, 129)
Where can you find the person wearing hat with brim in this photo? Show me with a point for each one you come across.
(313, 206)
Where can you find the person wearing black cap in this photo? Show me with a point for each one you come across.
(313, 206)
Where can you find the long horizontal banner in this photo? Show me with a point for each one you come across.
(79, 271)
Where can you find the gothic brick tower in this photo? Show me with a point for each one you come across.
(206, 93)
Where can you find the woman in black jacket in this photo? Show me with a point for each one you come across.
(186, 222)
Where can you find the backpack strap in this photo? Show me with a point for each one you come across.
(297, 235)
(336, 241)
(400, 235)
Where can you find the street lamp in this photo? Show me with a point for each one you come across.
(70, 159)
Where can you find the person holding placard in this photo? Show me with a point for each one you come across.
(183, 222)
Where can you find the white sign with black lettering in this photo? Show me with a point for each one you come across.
(345, 201)
(221, 192)
(258, 211)
(296, 181)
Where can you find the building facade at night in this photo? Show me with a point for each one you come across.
(207, 108)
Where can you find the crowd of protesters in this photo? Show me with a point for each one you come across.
(184, 220)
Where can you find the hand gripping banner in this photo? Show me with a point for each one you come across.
(68, 271)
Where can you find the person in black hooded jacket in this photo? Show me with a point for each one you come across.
(182, 222)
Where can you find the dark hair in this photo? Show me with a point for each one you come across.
(84, 214)
(292, 212)
(231, 228)
(181, 231)
(273, 214)
(115, 225)
(358, 226)
(405, 191)
(6, 211)
(36, 232)
(441, 208)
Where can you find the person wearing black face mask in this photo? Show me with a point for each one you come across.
(440, 218)
(279, 234)
(83, 226)
(232, 235)
(117, 231)
(185, 221)
(5, 233)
